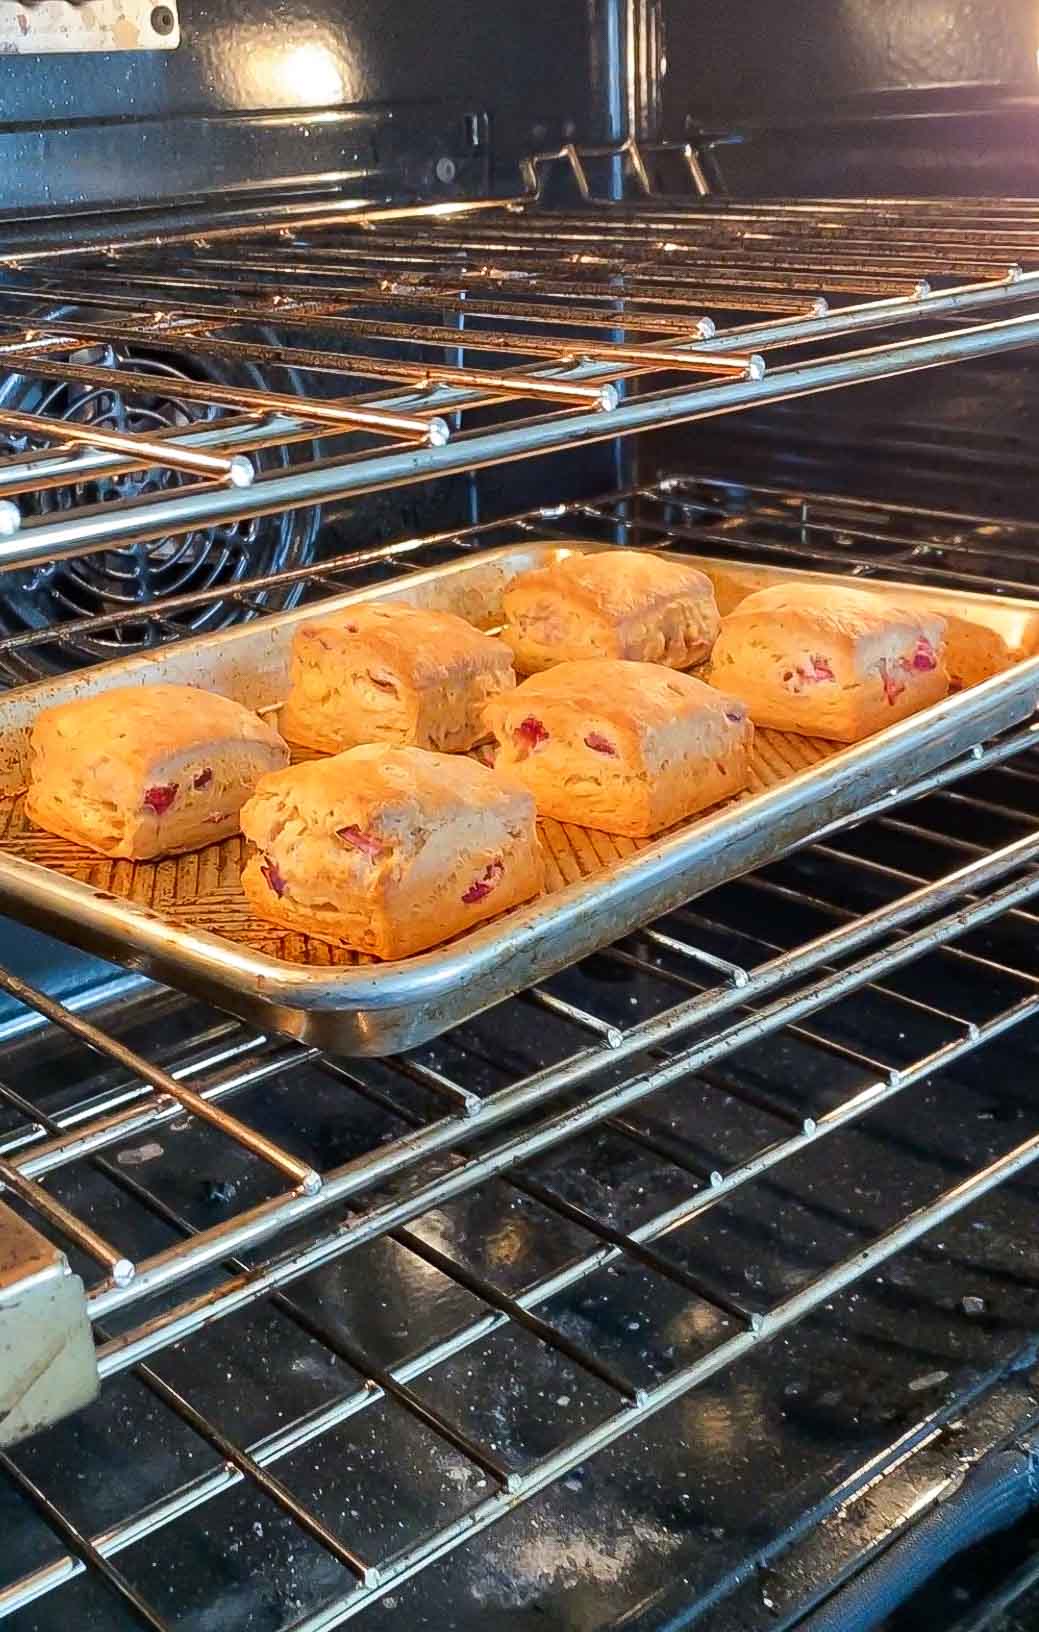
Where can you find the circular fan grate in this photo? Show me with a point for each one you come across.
(137, 575)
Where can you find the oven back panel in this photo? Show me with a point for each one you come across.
(241, 156)
(753, 57)
(594, 68)
(867, 70)
(142, 126)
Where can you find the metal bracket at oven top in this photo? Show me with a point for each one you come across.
(47, 1364)
(31, 27)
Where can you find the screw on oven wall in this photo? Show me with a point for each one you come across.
(446, 170)
(163, 20)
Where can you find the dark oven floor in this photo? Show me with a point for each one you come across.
(730, 1507)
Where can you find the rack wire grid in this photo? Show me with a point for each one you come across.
(782, 1017)
(498, 328)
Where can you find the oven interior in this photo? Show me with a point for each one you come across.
(688, 1285)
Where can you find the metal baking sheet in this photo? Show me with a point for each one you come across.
(185, 921)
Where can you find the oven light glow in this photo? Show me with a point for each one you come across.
(308, 74)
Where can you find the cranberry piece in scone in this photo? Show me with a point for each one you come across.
(161, 798)
(357, 840)
(530, 733)
(893, 686)
(813, 673)
(481, 887)
(819, 671)
(273, 876)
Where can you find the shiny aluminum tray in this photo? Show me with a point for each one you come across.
(184, 920)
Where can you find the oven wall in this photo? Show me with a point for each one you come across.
(870, 69)
(757, 58)
(540, 75)
(853, 98)
(556, 69)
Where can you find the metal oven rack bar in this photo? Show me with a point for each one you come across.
(634, 1405)
(817, 531)
(615, 318)
(720, 986)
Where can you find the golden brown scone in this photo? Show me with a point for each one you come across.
(974, 650)
(147, 771)
(389, 850)
(829, 661)
(980, 641)
(619, 604)
(626, 747)
(383, 672)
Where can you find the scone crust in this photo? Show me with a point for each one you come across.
(626, 604)
(386, 672)
(974, 651)
(389, 850)
(102, 767)
(628, 748)
(148, 724)
(827, 661)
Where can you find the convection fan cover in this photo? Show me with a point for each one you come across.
(119, 580)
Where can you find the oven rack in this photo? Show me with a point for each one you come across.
(229, 1070)
(607, 320)
(750, 521)
(938, 877)
(745, 1327)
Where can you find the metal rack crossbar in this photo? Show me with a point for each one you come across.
(819, 531)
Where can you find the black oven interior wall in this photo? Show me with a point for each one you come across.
(876, 65)
(240, 56)
(544, 75)
(866, 98)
